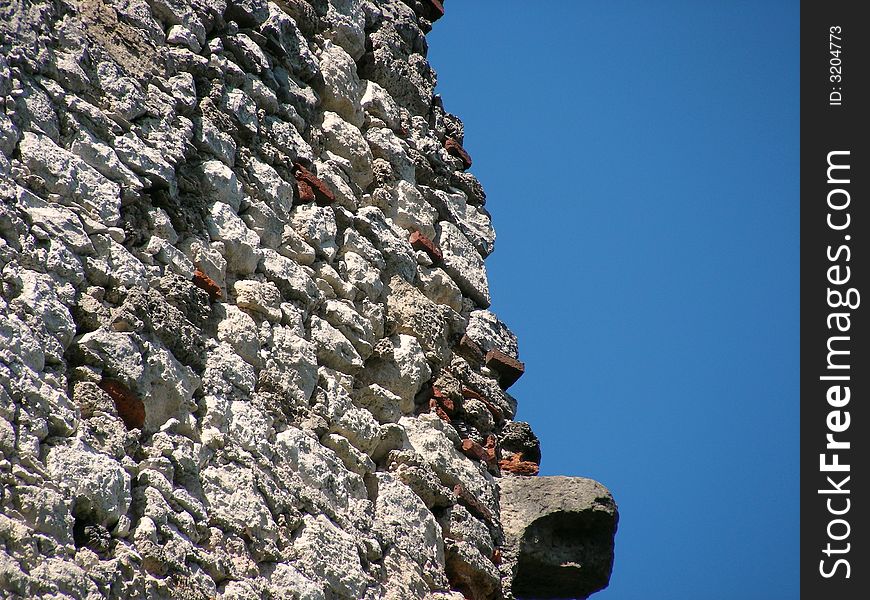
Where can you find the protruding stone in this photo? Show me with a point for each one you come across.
(558, 536)
(454, 148)
(509, 369)
(516, 437)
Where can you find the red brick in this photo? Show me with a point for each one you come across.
(508, 368)
(305, 191)
(454, 148)
(475, 451)
(321, 192)
(496, 556)
(130, 408)
(443, 400)
(204, 282)
(516, 465)
(434, 407)
(419, 241)
(438, 9)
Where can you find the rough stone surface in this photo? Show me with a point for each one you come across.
(244, 330)
(558, 535)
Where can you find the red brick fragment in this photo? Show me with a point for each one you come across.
(434, 407)
(469, 350)
(438, 9)
(516, 465)
(419, 241)
(475, 451)
(204, 282)
(442, 415)
(321, 192)
(467, 392)
(443, 400)
(496, 556)
(471, 503)
(508, 368)
(306, 192)
(454, 148)
(130, 408)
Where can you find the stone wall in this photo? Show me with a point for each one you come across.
(245, 350)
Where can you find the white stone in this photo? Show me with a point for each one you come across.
(291, 279)
(250, 428)
(241, 244)
(414, 314)
(225, 372)
(379, 104)
(428, 436)
(294, 360)
(345, 140)
(104, 159)
(96, 482)
(237, 103)
(220, 183)
(412, 210)
(439, 287)
(270, 187)
(344, 22)
(358, 271)
(411, 535)
(239, 330)
(316, 225)
(329, 553)
(463, 263)
(294, 247)
(488, 332)
(387, 145)
(333, 349)
(343, 90)
(400, 366)
(260, 298)
(113, 265)
(235, 503)
(68, 176)
(356, 328)
(146, 161)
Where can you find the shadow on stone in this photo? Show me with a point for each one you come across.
(558, 536)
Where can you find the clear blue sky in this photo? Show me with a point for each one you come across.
(641, 165)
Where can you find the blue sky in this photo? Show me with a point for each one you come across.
(641, 166)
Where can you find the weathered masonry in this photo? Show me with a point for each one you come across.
(245, 344)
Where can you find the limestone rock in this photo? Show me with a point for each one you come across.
(414, 314)
(398, 365)
(558, 535)
(463, 263)
(488, 332)
(244, 350)
(65, 174)
(344, 139)
(98, 486)
(342, 88)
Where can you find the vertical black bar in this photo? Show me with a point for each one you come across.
(835, 373)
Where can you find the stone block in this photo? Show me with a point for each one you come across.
(558, 536)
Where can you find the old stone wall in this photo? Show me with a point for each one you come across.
(245, 350)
